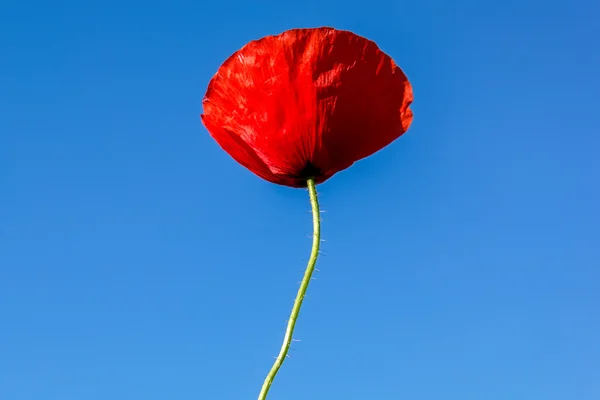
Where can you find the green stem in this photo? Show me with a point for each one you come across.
(287, 339)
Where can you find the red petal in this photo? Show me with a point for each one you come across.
(306, 102)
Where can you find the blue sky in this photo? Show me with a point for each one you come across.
(138, 261)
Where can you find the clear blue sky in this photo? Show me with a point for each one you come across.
(138, 261)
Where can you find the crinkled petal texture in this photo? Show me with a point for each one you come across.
(306, 103)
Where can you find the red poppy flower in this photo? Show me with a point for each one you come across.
(306, 103)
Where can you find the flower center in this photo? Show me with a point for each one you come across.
(310, 171)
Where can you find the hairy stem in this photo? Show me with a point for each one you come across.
(287, 339)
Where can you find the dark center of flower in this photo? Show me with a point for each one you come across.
(310, 171)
